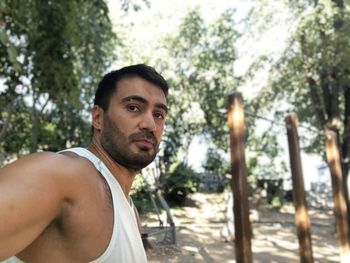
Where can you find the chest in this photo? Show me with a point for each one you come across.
(88, 224)
(104, 223)
(83, 231)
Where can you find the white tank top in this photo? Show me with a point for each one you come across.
(125, 245)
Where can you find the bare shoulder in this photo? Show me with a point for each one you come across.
(77, 168)
(46, 162)
(63, 170)
(34, 165)
(34, 191)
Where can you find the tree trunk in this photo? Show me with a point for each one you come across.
(346, 146)
(346, 134)
(35, 126)
(316, 100)
(11, 95)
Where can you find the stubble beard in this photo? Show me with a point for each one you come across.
(117, 145)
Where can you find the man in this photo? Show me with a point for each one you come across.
(74, 206)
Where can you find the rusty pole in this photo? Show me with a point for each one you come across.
(302, 219)
(340, 209)
(243, 231)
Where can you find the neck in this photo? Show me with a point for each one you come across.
(123, 175)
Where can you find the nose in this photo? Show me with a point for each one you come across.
(147, 122)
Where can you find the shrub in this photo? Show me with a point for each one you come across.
(180, 180)
(140, 195)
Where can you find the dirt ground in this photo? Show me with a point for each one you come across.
(198, 226)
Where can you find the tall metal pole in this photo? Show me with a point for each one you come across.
(302, 219)
(340, 208)
(243, 231)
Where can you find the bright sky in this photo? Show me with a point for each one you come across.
(164, 17)
(148, 25)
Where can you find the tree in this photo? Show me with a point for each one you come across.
(202, 58)
(52, 55)
(215, 163)
(313, 73)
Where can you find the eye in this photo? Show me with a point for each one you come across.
(159, 115)
(132, 107)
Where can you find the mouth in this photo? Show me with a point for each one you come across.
(145, 143)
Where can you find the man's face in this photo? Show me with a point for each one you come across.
(134, 122)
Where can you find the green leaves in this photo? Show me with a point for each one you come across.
(11, 50)
(312, 75)
(180, 181)
(12, 53)
(203, 56)
(53, 53)
(4, 39)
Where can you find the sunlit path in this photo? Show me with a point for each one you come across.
(200, 221)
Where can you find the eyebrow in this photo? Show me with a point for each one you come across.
(144, 101)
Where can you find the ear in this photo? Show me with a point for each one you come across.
(97, 117)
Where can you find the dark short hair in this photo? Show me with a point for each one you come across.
(109, 83)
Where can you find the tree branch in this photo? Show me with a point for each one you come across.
(316, 101)
(7, 122)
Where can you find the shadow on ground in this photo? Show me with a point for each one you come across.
(274, 235)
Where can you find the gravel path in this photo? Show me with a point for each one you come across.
(274, 236)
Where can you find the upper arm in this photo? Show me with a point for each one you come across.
(32, 192)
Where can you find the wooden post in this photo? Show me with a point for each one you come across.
(302, 219)
(340, 209)
(243, 231)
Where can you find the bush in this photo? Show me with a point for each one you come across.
(140, 195)
(276, 202)
(180, 180)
